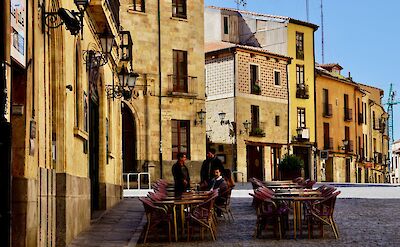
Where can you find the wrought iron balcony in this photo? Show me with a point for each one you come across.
(303, 134)
(302, 91)
(182, 85)
(102, 9)
(327, 112)
(349, 147)
(378, 158)
(348, 114)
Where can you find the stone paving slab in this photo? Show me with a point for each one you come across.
(116, 228)
(361, 222)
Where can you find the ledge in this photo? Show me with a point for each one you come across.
(132, 11)
(179, 19)
(81, 133)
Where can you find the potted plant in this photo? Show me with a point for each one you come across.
(256, 89)
(257, 132)
(290, 167)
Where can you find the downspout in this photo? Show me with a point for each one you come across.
(234, 111)
(315, 115)
(159, 86)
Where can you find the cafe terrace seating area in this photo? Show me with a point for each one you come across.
(288, 209)
(187, 216)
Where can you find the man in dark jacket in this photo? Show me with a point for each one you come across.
(218, 182)
(181, 175)
(209, 165)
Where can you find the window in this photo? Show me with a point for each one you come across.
(226, 24)
(138, 5)
(299, 74)
(180, 78)
(255, 117)
(277, 120)
(277, 78)
(299, 45)
(327, 108)
(180, 138)
(301, 117)
(255, 87)
(327, 144)
(179, 9)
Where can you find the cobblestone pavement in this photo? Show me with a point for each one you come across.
(361, 222)
(117, 228)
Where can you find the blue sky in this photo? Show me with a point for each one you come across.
(361, 35)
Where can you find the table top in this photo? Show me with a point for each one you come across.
(298, 198)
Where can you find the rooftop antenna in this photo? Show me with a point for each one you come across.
(242, 3)
(307, 13)
(322, 33)
(390, 103)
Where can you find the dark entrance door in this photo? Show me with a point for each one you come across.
(329, 170)
(128, 141)
(254, 162)
(303, 154)
(347, 170)
(94, 153)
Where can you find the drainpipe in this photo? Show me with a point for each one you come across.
(315, 116)
(234, 151)
(159, 85)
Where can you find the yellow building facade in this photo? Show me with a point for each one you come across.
(339, 126)
(66, 126)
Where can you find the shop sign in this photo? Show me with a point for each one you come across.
(18, 31)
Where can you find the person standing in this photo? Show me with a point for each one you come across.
(209, 165)
(181, 175)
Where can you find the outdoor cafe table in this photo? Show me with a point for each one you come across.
(285, 186)
(182, 202)
(296, 202)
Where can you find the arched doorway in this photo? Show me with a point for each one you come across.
(129, 156)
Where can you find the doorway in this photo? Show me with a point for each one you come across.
(303, 154)
(329, 170)
(255, 166)
(94, 153)
(129, 157)
(347, 170)
(275, 159)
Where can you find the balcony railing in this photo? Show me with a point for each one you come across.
(348, 114)
(328, 143)
(327, 110)
(114, 7)
(303, 134)
(378, 158)
(349, 147)
(182, 85)
(302, 91)
(257, 130)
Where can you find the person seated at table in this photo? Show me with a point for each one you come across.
(218, 182)
(209, 165)
(228, 178)
(181, 175)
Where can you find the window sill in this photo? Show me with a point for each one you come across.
(81, 133)
(180, 94)
(132, 11)
(179, 19)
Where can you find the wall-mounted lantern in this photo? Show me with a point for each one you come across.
(222, 118)
(201, 115)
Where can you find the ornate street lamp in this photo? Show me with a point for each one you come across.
(246, 125)
(222, 117)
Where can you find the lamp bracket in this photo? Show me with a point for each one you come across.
(94, 58)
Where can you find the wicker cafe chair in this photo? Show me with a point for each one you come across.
(267, 211)
(155, 216)
(202, 215)
(320, 213)
(226, 206)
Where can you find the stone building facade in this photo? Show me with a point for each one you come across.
(247, 85)
(395, 162)
(168, 51)
(289, 37)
